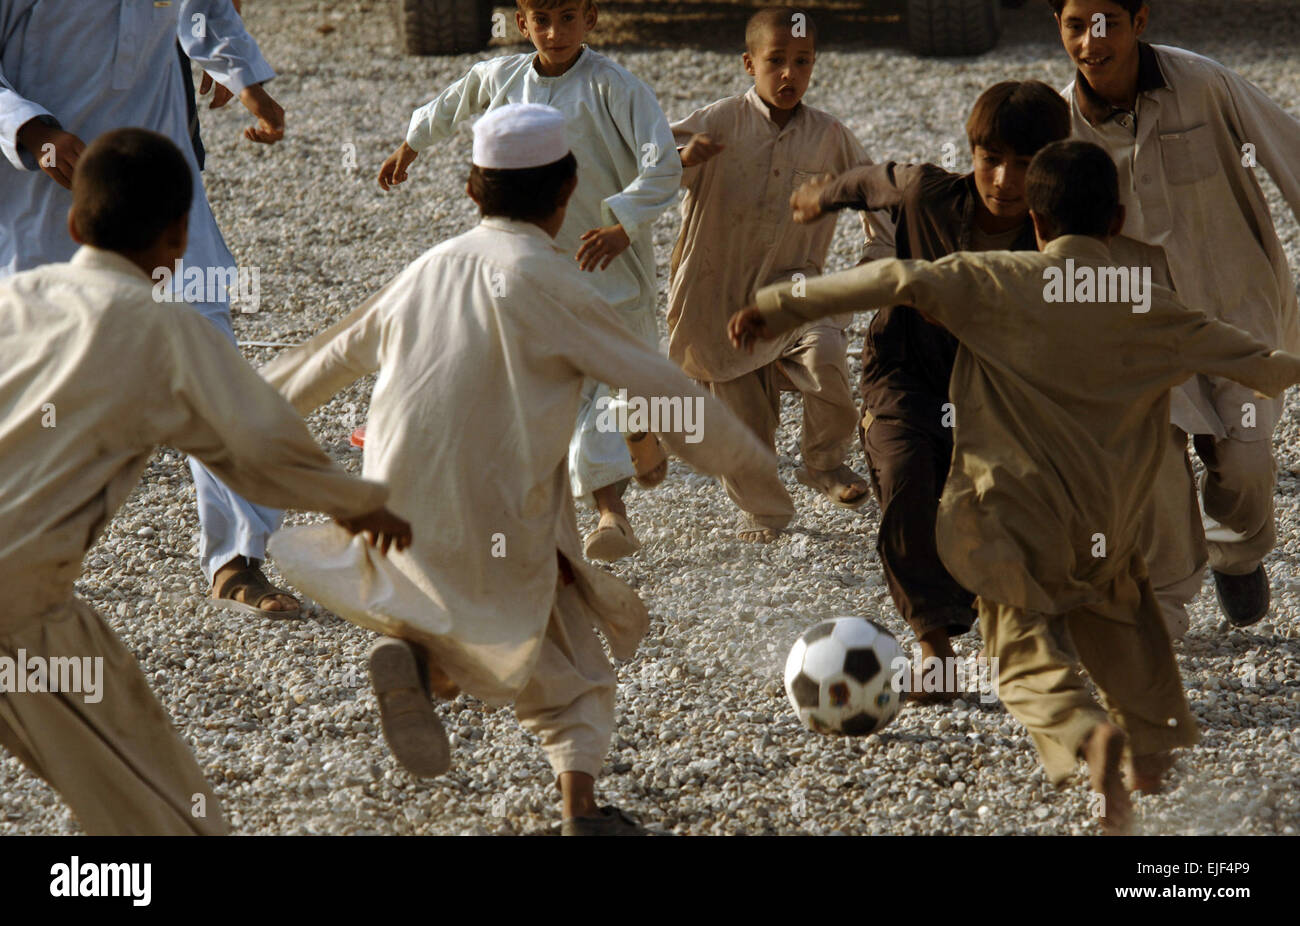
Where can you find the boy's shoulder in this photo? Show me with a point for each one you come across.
(609, 73)
(1179, 63)
(517, 251)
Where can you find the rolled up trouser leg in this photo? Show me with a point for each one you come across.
(109, 750)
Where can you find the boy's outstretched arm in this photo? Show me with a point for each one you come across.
(212, 405)
(436, 120)
(935, 289)
(1216, 348)
(1272, 133)
(869, 188)
(31, 138)
(212, 34)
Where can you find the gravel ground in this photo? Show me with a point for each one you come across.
(280, 714)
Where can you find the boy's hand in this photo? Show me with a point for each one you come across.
(747, 327)
(60, 160)
(602, 245)
(220, 95)
(394, 170)
(382, 527)
(270, 116)
(806, 202)
(700, 149)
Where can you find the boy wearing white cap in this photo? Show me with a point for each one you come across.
(630, 174)
(483, 346)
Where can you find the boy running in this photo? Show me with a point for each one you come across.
(478, 385)
(630, 174)
(1062, 384)
(907, 362)
(75, 434)
(737, 236)
(1186, 134)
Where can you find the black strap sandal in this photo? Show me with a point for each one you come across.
(256, 589)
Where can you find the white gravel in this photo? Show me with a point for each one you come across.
(281, 716)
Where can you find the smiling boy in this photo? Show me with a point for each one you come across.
(907, 362)
(1186, 134)
(630, 174)
(743, 156)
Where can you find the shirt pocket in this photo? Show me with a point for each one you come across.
(1188, 155)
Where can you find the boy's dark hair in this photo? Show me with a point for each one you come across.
(1132, 7)
(776, 18)
(129, 185)
(528, 195)
(525, 5)
(1073, 187)
(1023, 115)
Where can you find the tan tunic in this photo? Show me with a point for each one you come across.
(1061, 409)
(93, 376)
(482, 345)
(737, 233)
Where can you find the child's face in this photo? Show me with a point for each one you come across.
(782, 67)
(1103, 59)
(1000, 180)
(557, 33)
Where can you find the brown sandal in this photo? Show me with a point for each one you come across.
(253, 583)
(648, 457)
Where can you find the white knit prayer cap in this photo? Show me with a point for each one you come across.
(520, 135)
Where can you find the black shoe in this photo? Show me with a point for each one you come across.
(1244, 599)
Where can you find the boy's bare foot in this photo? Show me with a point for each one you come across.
(842, 486)
(934, 645)
(1104, 753)
(242, 583)
(1147, 773)
(751, 531)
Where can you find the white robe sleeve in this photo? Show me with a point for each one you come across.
(645, 131)
(213, 36)
(213, 406)
(437, 119)
(15, 109)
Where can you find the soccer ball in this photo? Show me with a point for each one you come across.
(839, 677)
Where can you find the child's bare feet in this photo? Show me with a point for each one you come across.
(1104, 753)
(751, 531)
(841, 485)
(935, 645)
(1147, 773)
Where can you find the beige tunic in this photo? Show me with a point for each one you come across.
(1061, 409)
(1191, 188)
(482, 345)
(93, 376)
(737, 233)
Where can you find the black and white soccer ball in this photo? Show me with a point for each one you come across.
(839, 676)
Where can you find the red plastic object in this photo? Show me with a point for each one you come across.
(359, 437)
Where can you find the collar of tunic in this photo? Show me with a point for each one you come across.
(1098, 110)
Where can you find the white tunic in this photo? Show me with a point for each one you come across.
(482, 346)
(628, 168)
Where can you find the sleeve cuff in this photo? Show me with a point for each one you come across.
(17, 155)
(771, 302)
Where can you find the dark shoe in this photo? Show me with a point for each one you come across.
(611, 822)
(411, 725)
(1244, 599)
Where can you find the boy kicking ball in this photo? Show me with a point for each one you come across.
(482, 347)
(1061, 424)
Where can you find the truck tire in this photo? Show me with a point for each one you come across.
(443, 27)
(953, 27)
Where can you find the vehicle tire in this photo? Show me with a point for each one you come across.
(443, 27)
(953, 27)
